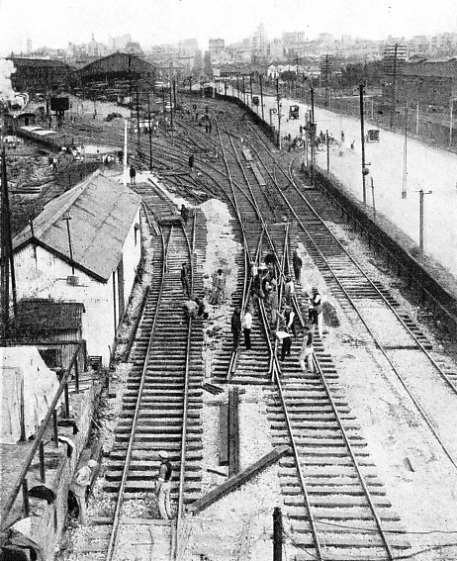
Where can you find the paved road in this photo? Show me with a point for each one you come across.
(428, 168)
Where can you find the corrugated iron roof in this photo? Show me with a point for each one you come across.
(56, 316)
(101, 213)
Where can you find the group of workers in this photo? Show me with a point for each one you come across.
(277, 292)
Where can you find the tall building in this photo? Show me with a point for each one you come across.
(259, 41)
(216, 46)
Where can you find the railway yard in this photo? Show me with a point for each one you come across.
(358, 458)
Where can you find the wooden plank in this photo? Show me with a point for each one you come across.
(238, 480)
(233, 432)
(247, 154)
(258, 175)
(223, 438)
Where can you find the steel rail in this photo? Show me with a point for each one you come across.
(291, 179)
(120, 498)
(373, 336)
(275, 368)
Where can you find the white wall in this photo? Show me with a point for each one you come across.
(46, 277)
(132, 256)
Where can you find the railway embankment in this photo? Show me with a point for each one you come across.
(432, 285)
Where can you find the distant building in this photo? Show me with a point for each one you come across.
(119, 43)
(216, 47)
(118, 64)
(188, 47)
(99, 270)
(40, 75)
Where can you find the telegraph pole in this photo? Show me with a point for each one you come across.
(312, 139)
(7, 258)
(394, 89)
(150, 132)
(362, 137)
(261, 96)
(327, 139)
(278, 98)
(244, 91)
(421, 218)
(250, 85)
(405, 156)
(138, 122)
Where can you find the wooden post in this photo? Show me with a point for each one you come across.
(56, 429)
(77, 375)
(25, 497)
(328, 150)
(277, 534)
(42, 467)
(67, 401)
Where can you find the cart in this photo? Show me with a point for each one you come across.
(372, 135)
(294, 112)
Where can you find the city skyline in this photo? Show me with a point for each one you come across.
(168, 21)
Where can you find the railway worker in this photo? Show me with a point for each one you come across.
(307, 351)
(342, 136)
(185, 281)
(289, 317)
(283, 335)
(352, 145)
(132, 175)
(254, 269)
(297, 264)
(79, 486)
(289, 290)
(274, 304)
(163, 486)
(247, 327)
(201, 311)
(184, 213)
(218, 292)
(190, 309)
(191, 161)
(236, 327)
(316, 301)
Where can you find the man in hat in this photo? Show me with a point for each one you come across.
(163, 486)
(79, 485)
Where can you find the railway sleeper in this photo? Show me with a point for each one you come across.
(354, 489)
(341, 514)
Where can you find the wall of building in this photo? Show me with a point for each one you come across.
(46, 277)
(132, 255)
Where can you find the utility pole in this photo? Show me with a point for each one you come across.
(362, 137)
(451, 118)
(405, 156)
(150, 132)
(138, 122)
(312, 139)
(244, 91)
(278, 99)
(277, 534)
(394, 88)
(250, 85)
(171, 108)
(417, 118)
(261, 96)
(421, 218)
(125, 152)
(372, 194)
(327, 139)
(327, 85)
(7, 257)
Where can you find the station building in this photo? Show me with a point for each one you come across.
(85, 247)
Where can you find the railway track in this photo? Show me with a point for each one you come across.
(337, 506)
(162, 403)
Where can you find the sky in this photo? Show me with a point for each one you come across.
(54, 23)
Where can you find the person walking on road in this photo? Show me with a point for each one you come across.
(307, 351)
(79, 485)
(247, 326)
(236, 327)
(132, 175)
(163, 486)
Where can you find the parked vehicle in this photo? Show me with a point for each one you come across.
(294, 112)
(372, 135)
